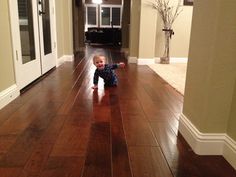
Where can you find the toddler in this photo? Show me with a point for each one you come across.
(105, 71)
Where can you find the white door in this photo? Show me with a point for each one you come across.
(46, 29)
(32, 40)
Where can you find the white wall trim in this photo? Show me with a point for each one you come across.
(145, 61)
(68, 57)
(132, 59)
(64, 58)
(229, 151)
(208, 143)
(8, 95)
(173, 60)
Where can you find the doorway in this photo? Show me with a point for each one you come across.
(34, 43)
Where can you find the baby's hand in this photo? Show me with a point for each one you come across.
(95, 87)
(121, 65)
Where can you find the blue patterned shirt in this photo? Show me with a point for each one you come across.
(108, 75)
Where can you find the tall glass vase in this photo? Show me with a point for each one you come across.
(165, 59)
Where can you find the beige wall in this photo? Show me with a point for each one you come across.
(179, 45)
(147, 31)
(232, 121)
(64, 27)
(148, 25)
(7, 77)
(134, 28)
(59, 26)
(210, 101)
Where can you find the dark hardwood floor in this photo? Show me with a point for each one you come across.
(61, 127)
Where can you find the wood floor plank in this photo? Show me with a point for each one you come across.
(63, 167)
(132, 107)
(7, 111)
(10, 172)
(78, 75)
(148, 161)
(73, 138)
(98, 159)
(120, 159)
(61, 127)
(101, 106)
(20, 151)
(138, 132)
(39, 156)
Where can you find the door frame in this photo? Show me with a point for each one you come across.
(15, 39)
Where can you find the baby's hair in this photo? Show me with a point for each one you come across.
(98, 56)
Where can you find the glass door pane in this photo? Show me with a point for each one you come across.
(46, 34)
(26, 30)
(116, 16)
(46, 27)
(91, 16)
(105, 14)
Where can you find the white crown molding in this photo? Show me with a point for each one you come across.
(8, 95)
(208, 143)
(64, 58)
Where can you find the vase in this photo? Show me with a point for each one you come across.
(165, 59)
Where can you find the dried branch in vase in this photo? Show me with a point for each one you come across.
(167, 11)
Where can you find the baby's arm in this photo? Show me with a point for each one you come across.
(117, 65)
(121, 65)
(95, 80)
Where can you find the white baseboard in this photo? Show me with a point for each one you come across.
(141, 61)
(8, 95)
(174, 60)
(132, 59)
(145, 61)
(64, 58)
(229, 151)
(208, 143)
(60, 61)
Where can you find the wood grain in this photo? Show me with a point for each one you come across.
(60, 127)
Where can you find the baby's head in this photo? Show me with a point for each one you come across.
(99, 61)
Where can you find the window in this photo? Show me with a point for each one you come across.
(91, 16)
(107, 16)
(116, 16)
(110, 15)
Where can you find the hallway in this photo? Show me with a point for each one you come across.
(61, 127)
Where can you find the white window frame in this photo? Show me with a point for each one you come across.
(110, 6)
(86, 14)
